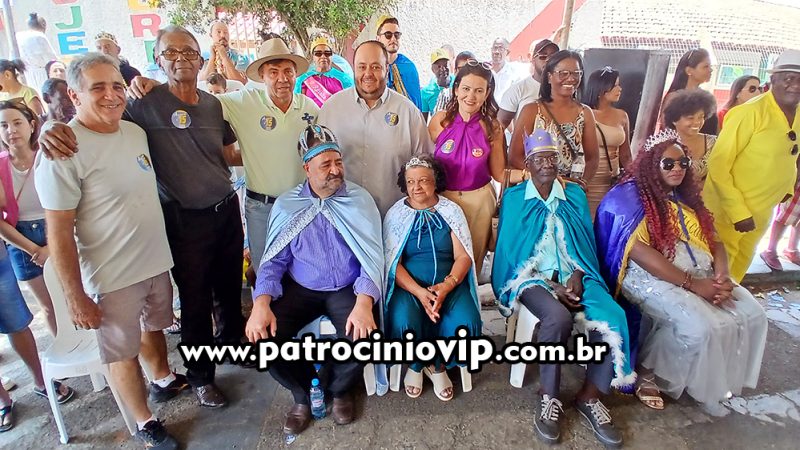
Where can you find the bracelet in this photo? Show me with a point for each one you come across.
(452, 278)
(687, 281)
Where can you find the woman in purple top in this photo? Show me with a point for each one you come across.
(471, 147)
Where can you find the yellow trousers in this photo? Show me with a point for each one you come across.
(741, 247)
(478, 206)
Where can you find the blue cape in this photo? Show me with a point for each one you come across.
(408, 71)
(523, 224)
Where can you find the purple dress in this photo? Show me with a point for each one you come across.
(463, 150)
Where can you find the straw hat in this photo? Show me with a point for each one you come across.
(271, 50)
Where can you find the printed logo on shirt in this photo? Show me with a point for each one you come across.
(144, 162)
(477, 152)
(448, 145)
(181, 119)
(268, 122)
(391, 119)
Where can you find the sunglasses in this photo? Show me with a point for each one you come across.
(684, 162)
(793, 137)
(173, 55)
(388, 35)
(474, 63)
(564, 74)
(321, 53)
(753, 89)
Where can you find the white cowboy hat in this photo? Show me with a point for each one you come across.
(271, 50)
(789, 61)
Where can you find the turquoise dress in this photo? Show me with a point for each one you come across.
(428, 258)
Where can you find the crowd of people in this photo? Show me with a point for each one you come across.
(370, 200)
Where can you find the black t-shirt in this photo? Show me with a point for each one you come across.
(186, 144)
(128, 72)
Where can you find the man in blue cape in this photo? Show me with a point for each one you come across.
(403, 74)
(546, 261)
(324, 256)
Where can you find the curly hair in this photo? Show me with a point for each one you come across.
(661, 218)
(687, 102)
(489, 108)
(438, 173)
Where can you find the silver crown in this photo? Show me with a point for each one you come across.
(320, 133)
(665, 135)
(417, 162)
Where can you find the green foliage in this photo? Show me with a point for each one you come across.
(340, 18)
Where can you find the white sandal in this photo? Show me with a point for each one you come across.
(440, 382)
(413, 380)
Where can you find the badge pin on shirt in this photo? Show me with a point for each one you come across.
(181, 119)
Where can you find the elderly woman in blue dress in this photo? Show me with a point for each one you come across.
(546, 261)
(431, 284)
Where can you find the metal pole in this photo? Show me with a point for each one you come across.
(11, 33)
(566, 23)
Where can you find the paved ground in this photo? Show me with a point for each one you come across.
(493, 415)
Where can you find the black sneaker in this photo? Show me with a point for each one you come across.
(599, 419)
(160, 394)
(155, 437)
(545, 422)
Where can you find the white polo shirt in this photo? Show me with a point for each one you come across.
(376, 142)
(268, 138)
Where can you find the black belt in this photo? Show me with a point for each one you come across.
(216, 206)
(260, 197)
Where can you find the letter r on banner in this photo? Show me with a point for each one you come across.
(142, 22)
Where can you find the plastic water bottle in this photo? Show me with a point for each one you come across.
(317, 400)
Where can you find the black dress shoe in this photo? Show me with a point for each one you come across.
(297, 419)
(599, 418)
(343, 409)
(210, 396)
(548, 410)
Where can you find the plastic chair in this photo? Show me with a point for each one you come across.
(73, 353)
(519, 329)
(322, 327)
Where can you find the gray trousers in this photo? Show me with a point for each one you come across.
(555, 325)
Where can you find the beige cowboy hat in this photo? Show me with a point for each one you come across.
(271, 50)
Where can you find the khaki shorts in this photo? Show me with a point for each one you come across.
(125, 313)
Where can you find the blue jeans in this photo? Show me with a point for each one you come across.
(24, 268)
(14, 313)
(256, 215)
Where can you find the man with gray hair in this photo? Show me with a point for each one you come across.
(107, 237)
(192, 146)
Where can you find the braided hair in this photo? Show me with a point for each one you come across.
(659, 215)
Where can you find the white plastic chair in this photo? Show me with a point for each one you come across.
(394, 378)
(322, 327)
(520, 328)
(74, 353)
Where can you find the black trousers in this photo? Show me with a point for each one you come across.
(206, 247)
(555, 325)
(294, 310)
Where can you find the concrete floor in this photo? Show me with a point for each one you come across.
(493, 415)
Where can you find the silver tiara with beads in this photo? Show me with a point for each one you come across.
(665, 135)
(417, 162)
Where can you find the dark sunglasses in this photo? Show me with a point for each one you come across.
(388, 35)
(753, 89)
(793, 137)
(321, 53)
(668, 164)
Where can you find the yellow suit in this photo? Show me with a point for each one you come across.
(750, 170)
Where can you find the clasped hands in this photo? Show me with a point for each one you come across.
(717, 290)
(432, 298)
(569, 294)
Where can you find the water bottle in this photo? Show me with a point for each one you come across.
(317, 400)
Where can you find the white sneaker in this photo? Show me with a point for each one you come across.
(8, 383)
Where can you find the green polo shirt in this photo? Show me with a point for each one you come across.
(268, 138)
